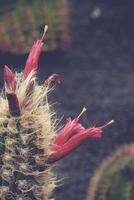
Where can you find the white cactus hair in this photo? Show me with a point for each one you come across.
(34, 105)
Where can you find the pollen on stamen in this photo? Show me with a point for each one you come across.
(83, 111)
(44, 33)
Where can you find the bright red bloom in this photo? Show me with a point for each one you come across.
(33, 58)
(71, 136)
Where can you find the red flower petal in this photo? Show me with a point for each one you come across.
(33, 58)
(71, 127)
(10, 82)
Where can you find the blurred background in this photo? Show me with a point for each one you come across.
(90, 44)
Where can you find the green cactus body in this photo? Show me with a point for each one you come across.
(25, 144)
(114, 179)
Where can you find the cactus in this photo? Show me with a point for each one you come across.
(114, 179)
(21, 19)
(29, 145)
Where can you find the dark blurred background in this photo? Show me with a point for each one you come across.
(96, 64)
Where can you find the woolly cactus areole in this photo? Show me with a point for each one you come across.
(29, 144)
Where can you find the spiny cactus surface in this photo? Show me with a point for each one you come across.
(114, 180)
(29, 144)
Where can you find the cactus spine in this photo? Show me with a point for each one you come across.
(114, 178)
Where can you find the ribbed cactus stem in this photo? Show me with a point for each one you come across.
(19, 20)
(114, 178)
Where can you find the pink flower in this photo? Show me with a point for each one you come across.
(33, 58)
(10, 87)
(71, 136)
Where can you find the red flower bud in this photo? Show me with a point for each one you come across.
(33, 58)
(52, 78)
(10, 87)
(10, 82)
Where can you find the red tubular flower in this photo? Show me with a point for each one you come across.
(10, 87)
(71, 127)
(71, 136)
(33, 58)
